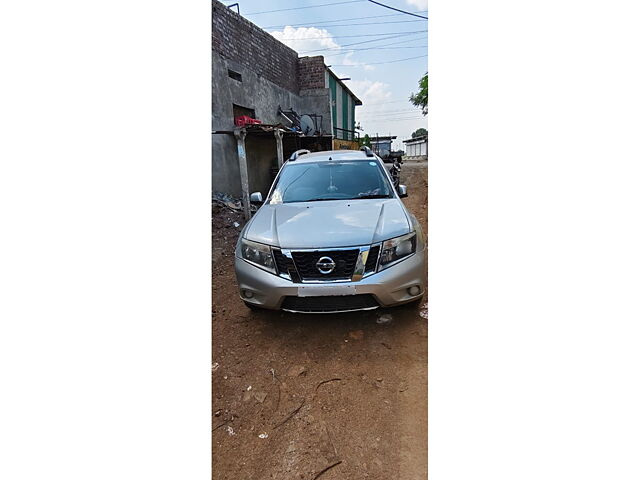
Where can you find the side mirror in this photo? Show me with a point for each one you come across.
(256, 197)
(402, 191)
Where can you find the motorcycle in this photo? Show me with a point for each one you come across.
(394, 171)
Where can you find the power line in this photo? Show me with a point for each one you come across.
(302, 8)
(391, 112)
(356, 43)
(375, 48)
(355, 36)
(383, 46)
(370, 23)
(391, 101)
(396, 119)
(338, 20)
(397, 9)
(380, 63)
(357, 24)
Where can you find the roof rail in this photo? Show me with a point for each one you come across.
(297, 153)
(367, 150)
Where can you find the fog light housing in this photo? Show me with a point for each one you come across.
(413, 291)
(247, 294)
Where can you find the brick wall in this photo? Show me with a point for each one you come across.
(238, 39)
(311, 72)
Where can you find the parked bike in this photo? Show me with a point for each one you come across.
(394, 171)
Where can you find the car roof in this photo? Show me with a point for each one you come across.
(334, 155)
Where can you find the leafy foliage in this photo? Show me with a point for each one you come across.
(421, 98)
(365, 141)
(419, 132)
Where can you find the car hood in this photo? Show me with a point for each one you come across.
(327, 224)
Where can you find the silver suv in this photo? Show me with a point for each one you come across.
(331, 236)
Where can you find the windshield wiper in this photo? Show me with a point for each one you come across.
(320, 199)
(371, 196)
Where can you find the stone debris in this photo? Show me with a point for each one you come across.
(357, 334)
(296, 371)
(384, 319)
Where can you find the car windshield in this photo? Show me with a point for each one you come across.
(330, 180)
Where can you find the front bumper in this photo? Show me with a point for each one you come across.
(389, 287)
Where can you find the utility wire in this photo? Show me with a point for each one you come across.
(396, 119)
(356, 24)
(390, 114)
(338, 20)
(397, 9)
(357, 36)
(383, 46)
(391, 101)
(375, 48)
(368, 23)
(379, 63)
(394, 112)
(350, 44)
(302, 8)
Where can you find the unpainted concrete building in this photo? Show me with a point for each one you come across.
(255, 75)
(416, 148)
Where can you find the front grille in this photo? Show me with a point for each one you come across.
(372, 259)
(345, 261)
(329, 303)
(282, 262)
(285, 265)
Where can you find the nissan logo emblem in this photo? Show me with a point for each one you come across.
(326, 265)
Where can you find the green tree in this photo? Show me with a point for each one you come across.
(419, 132)
(421, 98)
(365, 141)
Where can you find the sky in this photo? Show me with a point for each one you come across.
(385, 55)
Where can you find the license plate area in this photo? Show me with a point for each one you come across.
(324, 291)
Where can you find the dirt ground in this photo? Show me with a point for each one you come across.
(296, 394)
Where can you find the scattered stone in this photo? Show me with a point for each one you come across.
(215, 366)
(218, 412)
(263, 435)
(296, 371)
(424, 311)
(230, 430)
(384, 319)
(357, 334)
(379, 379)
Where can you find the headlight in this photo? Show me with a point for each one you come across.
(396, 249)
(258, 254)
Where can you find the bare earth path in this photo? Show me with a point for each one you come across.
(274, 418)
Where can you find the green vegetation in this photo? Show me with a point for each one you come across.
(421, 98)
(419, 132)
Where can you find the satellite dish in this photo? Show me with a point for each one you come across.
(307, 125)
